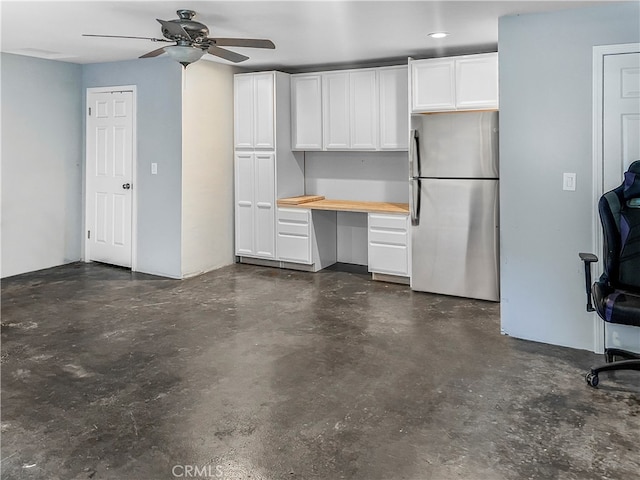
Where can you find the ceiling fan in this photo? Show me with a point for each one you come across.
(192, 41)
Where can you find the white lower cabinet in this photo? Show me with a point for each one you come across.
(306, 237)
(388, 244)
(294, 235)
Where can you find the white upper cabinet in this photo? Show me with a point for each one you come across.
(263, 111)
(306, 112)
(243, 111)
(468, 82)
(335, 111)
(433, 85)
(362, 109)
(350, 114)
(477, 82)
(254, 124)
(394, 113)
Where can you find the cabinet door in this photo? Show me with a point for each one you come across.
(363, 104)
(394, 108)
(244, 204)
(477, 82)
(306, 111)
(433, 85)
(243, 111)
(335, 112)
(263, 111)
(264, 213)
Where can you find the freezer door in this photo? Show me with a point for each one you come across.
(455, 244)
(458, 145)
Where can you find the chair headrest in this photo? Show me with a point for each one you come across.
(632, 181)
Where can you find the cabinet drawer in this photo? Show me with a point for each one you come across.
(296, 215)
(391, 222)
(294, 248)
(389, 259)
(388, 229)
(293, 228)
(387, 237)
(293, 222)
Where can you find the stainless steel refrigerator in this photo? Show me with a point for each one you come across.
(453, 165)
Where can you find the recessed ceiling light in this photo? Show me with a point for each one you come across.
(439, 34)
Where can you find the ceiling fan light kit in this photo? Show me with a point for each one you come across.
(184, 54)
(192, 41)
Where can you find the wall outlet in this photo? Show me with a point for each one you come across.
(569, 181)
(154, 169)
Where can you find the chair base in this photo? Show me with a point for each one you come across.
(631, 362)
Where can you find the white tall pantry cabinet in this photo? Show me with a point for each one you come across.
(264, 166)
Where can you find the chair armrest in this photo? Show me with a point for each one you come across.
(588, 259)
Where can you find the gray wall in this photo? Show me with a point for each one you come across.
(545, 130)
(41, 163)
(372, 176)
(159, 140)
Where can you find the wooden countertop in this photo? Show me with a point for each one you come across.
(318, 202)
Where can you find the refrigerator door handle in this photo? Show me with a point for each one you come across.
(414, 155)
(414, 187)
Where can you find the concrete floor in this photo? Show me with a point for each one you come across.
(258, 373)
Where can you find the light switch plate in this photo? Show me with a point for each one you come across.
(569, 181)
(154, 169)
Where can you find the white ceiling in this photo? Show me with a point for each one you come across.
(307, 34)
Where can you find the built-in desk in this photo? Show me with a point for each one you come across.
(318, 202)
(306, 233)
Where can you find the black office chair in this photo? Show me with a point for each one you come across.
(616, 295)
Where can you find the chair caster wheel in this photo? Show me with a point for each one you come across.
(592, 379)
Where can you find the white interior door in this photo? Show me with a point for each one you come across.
(621, 116)
(620, 147)
(109, 166)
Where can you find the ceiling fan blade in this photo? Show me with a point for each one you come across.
(243, 42)
(174, 29)
(124, 36)
(154, 53)
(226, 54)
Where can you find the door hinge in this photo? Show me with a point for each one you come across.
(89, 234)
(89, 111)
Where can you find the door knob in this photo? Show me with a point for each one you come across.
(126, 186)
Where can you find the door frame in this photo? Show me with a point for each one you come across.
(599, 52)
(134, 162)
